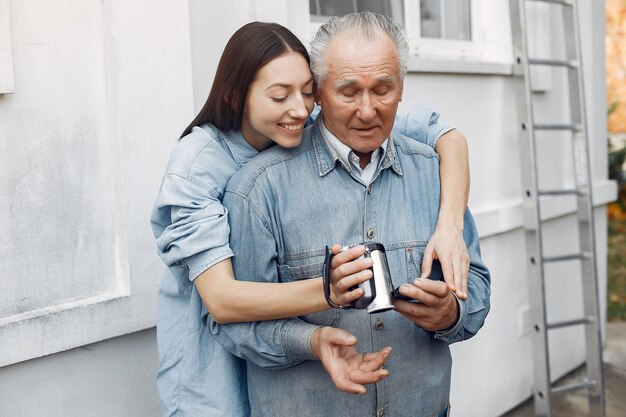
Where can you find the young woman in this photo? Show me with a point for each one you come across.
(262, 95)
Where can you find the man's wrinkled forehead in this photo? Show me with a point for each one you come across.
(346, 55)
(352, 82)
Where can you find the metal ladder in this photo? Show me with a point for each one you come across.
(594, 380)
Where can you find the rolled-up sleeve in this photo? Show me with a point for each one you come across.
(421, 123)
(195, 230)
(275, 344)
(268, 344)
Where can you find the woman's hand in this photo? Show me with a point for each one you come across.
(347, 271)
(447, 245)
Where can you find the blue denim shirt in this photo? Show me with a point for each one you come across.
(285, 206)
(196, 376)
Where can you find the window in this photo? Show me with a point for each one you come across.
(435, 28)
(446, 19)
(321, 10)
(443, 29)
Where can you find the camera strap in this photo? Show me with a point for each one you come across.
(328, 257)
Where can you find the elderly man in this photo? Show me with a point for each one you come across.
(351, 180)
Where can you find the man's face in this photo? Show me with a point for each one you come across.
(361, 92)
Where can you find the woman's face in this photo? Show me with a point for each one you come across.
(278, 103)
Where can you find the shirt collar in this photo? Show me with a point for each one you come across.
(327, 155)
(346, 154)
(239, 147)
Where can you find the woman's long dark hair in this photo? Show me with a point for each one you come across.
(249, 49)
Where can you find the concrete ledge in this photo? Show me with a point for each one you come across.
(509, 216)
(458, 66)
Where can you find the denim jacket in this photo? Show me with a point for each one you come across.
(196, 376)
(285, 206)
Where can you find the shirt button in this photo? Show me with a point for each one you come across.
(370, 233)
(381, 413)
(379, 324)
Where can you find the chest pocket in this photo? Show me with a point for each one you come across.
(414, 258)
(300, 268)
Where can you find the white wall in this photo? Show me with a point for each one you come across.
(101, 92)
(115, 377)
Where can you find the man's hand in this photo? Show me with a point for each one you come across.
(348, 369)
(437, 308)
(346, 272)
(447, 245)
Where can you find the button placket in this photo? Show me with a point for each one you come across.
(370, 219)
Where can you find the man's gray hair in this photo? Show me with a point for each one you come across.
(362, 25)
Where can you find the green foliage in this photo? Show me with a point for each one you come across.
(613, 106)
(616, 303)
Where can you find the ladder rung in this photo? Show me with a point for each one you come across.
(584, 255)
(585, 383)
(572, 127)
(567, 323)
(553, 62)
(561, 2)
(561, 192)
